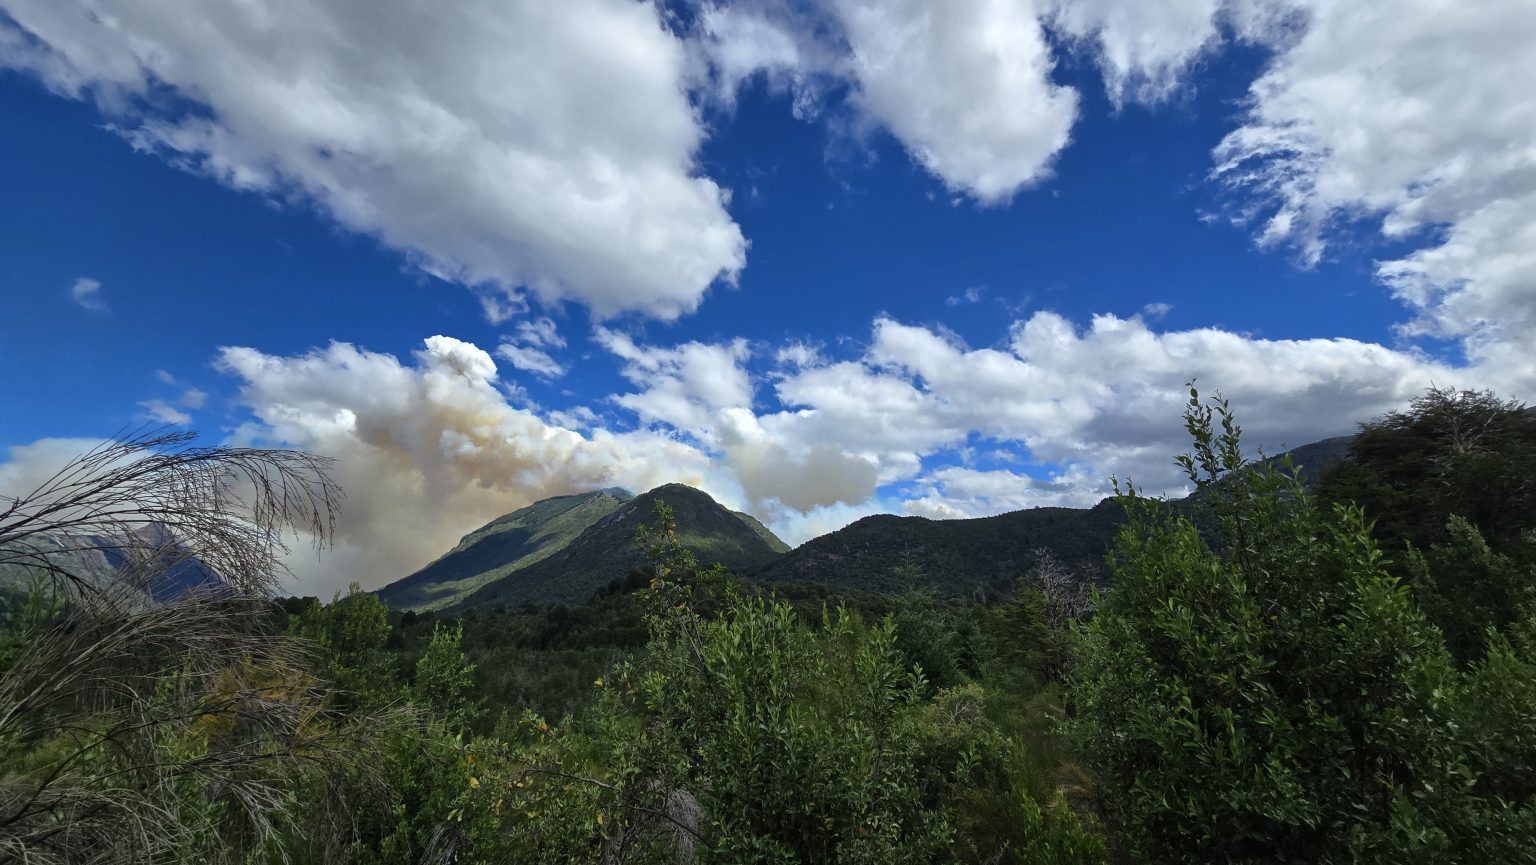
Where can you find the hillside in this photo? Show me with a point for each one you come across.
(149, 549)
(1313, 459)
(983, 556)
(563, 549)
(958, 557)
(502, 546)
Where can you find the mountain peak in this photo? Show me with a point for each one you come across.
(562, 549)
(677, 488)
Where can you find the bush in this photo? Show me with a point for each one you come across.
(1275, 697)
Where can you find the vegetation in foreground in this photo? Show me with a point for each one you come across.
(1278, 679)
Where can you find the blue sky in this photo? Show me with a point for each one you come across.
(820, 259)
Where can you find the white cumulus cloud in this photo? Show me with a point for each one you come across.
(1084, 402)
(965, 85)
(506, 144)
(685, 387)
(1416, 117)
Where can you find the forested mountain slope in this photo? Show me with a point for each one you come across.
(561, 550)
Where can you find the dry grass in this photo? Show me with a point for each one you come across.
(136, 731)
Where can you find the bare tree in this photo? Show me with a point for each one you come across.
(1067, 596)
(135, 730)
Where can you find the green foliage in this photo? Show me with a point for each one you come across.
(1276, 698)
(1056, 836)
(1449, 484)
(1463, 453)
(821, 717)
(748, 732)
(1030, 631)
(1006, 792)
(445, 680)
(1259, 685)
(1497, 707)
(1467, 588)
(154, 732)
(350, 633)
(24, 611)
(938, 637)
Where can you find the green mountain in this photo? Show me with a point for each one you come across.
(561, 550)
(1314, 459)
(965, 558)
(762, 531)
(983, 557)
(501, 547)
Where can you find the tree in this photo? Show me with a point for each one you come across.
(350, 633)
(445, 679)
(1451, 487)
(1467, 589)
(1497, 709)
(1452, 453)
(1272, 697)
(1046, 603)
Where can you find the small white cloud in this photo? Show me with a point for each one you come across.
(798, 355)
(964, 85)
(684, 387)
(165, 377)
(525, 348)
(1155, 311)
(501, 304)
(1143, 49)
(578, 418)
(740, 43)
(192, 398)
(539, 332)
(530, 359)
(160, 411)
(86, 293)
(970, 295)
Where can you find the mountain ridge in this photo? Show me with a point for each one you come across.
(562, 549)
(502, 546)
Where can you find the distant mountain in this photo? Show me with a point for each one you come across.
(983, 557)
(966, 558)
(176, 572)
(150, 559)
(762, 531)
(561, 550)
(1314, 459)
(506, 544)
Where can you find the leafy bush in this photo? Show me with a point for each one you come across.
(1275, 697)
